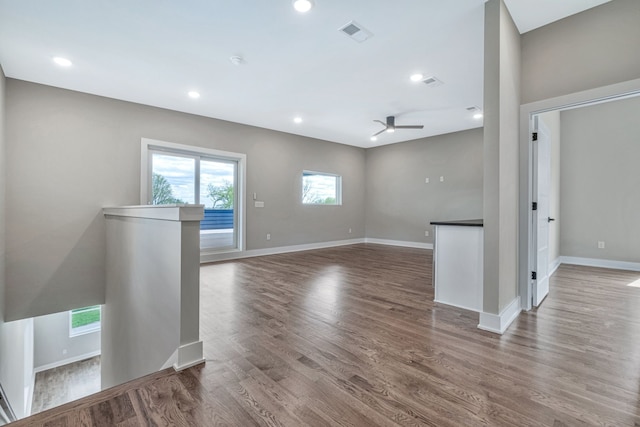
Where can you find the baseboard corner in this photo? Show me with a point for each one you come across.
(499, 323)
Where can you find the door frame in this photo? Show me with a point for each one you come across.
(147, 146)
(527, 111)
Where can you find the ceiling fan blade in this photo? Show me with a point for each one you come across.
(382, 123)
(410, 127)
(378, 133)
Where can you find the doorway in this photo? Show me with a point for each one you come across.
(179, 174)
(535, 264)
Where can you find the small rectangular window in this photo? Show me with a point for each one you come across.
(321, 188)
(84, 320)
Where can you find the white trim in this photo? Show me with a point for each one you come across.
(419, 245)
(66, 361)
(147, 144)
(602, 263)
(189, 355)
(160, 212)
(553, 266)
(475, 310)
(498, 323)
(224, 256)
(230, 255)
(30, 397)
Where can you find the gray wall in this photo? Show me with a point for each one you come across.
(501, 127)
(3, 176)
(52, 344)
(70, 154)
(601, 181)
(16, 338)
(141, 318)
(400, 205)
(595, 48)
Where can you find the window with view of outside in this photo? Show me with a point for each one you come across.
(84, 320)
(321, 188)
(195, 178)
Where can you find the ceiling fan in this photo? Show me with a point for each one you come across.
(391, 126)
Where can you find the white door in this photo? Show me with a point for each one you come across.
(541, 190)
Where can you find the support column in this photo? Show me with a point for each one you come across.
(501, 120)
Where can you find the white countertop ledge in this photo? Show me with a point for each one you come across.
(160, 212)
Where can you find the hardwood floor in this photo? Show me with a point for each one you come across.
(67, 383)
(350, 336)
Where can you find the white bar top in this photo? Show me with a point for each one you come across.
(161, 212)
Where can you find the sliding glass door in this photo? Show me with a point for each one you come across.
(183, 177)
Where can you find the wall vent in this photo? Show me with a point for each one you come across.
(355, 31)
(432, 81)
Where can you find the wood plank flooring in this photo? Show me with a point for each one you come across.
(350, 336)
(67, 383)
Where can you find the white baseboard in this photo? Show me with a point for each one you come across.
(602, 263)
(554, 265)
(189, 355)
(204, 258)
(419, 245)
(498, 323)
(30, 395)
(66, 361)
(170, 361)
(225, 256)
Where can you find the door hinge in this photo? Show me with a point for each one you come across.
(534, 136)
(534, 275)
(534, 206)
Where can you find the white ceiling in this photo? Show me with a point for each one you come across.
(154, 51)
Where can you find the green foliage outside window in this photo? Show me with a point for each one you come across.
(85, 316)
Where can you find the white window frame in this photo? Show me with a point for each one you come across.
(338, 188)
(148, 146)
(87, 329)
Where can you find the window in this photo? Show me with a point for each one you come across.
(179, 174)
(84, 320)
(321, 188)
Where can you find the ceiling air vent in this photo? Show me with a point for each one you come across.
(432, 81)
(355, 31)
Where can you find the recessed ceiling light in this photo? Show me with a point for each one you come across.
(193, 94)
(416, 77)
(374, 138)
(302, 6)
(477, 116)
(63, 62)
(298, 119)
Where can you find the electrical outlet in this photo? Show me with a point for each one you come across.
(426, 180)
(600, 244)
(268, 236)
(442, 179)
(349, 231)
(426, 233)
